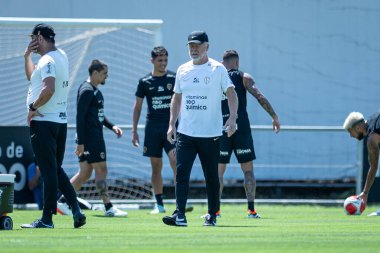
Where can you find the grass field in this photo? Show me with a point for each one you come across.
(282, 228)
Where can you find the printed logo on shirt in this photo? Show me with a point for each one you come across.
(62, 115)
(49, 68)
(193, 103)
(160, 88)
(101, 115)
(207, 80)
(151, 88)
(169, 86)
(196, 80)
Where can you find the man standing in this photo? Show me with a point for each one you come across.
(198, 89)
(157, 87)
(359, 128)
(47, 102)
(91, 148)
(241, 142)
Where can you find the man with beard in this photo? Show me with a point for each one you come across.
(359, 128)
(91, 148)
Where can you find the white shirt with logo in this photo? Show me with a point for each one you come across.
(53, 64)
(201, 87)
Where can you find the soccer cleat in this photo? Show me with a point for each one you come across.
(253, 214)
(217, 215)
(158, 209)
(79, 220)
(377, 213)
(63, 208)
(176, 219)
(115, 212)
(209, 221)
(37, 224)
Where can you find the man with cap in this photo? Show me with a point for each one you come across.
(360, 128)
(198, 90)
(47, 102)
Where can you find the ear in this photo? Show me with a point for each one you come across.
(151, 60)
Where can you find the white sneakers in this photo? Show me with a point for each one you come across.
(63, 208)
(377, 213)
(158, 209)
(115, 212)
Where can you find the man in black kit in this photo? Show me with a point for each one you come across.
(47, 102)
(241, 142)
(360, 128)
(91, 148)
(157, 87)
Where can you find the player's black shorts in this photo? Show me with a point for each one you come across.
(242, 145)
(94, 150)
(155, 140)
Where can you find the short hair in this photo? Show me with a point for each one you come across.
(229, 54)
(352, 120)
(45, 30)
(159, 51)
(96, 65)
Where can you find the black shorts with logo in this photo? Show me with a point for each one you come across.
(242, 145)
(155, 139)
(94, 150)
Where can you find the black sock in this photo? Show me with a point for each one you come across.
(251, 205)
(47, 219)
(159, 199)
(108, 206)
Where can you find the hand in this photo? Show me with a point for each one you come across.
(79, 150)
(32, 48)
(32, 114)
(230, 127)
(117, 130)
(276, 125)
(171, 135)
(135, 139)
(364, 197)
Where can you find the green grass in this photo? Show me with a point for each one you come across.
(282, 228)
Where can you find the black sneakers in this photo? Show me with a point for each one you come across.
(79, 220)
(209, 221)
(176, 219)
(37, 224)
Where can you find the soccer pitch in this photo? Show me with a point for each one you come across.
(282, 228)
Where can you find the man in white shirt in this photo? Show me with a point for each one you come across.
(47, 102)
(198, 89)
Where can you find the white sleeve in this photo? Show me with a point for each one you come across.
(47, 69)
(177, 85)
(225, 79)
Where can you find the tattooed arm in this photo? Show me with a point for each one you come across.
(250, 86)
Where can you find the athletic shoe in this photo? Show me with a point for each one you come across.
(209, 221)
(37, 224)
(158, 209)
(63, 208)
(189, 208)
(218, 215)
(79, 220)
(176, 219)
(253, 214)
(115, 212)
(377, 213)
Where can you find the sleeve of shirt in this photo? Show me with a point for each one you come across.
(225, 79)
(177, 84)
(84, 102)
(47, 68)
(140, 92)
(108, 123)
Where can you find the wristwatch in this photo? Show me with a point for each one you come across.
(31, 108)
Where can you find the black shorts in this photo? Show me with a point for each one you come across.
(240, 143)
(155, 140)
(94, 151)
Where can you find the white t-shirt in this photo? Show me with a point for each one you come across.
(202, 87)
(53, 64)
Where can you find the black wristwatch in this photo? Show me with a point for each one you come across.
(31, 108)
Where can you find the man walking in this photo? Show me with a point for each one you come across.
(47, 102)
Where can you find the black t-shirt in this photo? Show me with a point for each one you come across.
(242, 120)
(158, 92)
(90, 112)
(374, 123)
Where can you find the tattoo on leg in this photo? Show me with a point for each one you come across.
(101, 187)
(250, 185)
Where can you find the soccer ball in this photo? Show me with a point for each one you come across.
(354, 206)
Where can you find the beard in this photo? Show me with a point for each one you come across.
(360, 136)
